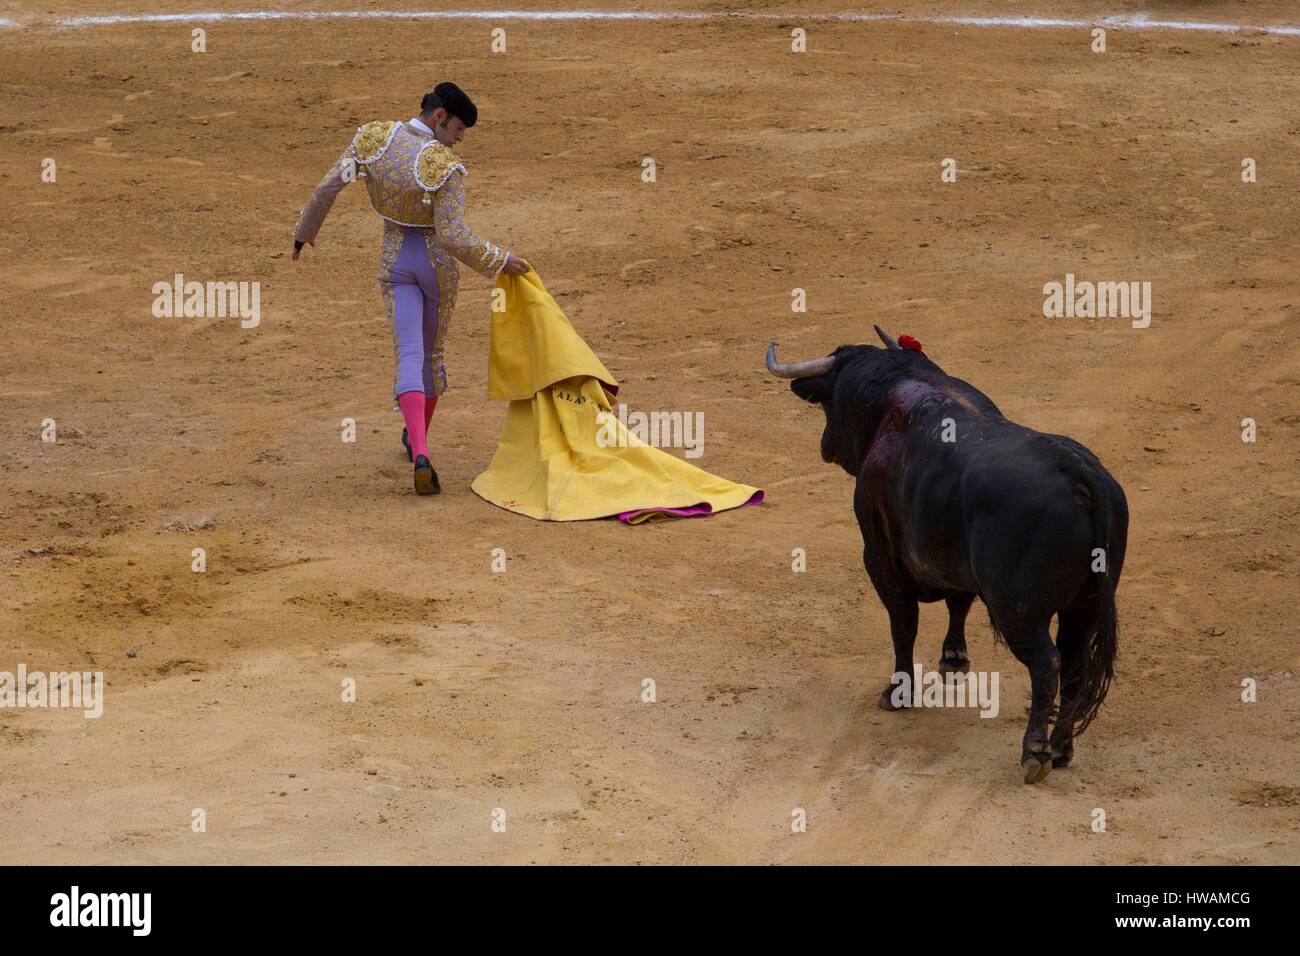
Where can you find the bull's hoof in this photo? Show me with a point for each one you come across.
(954, 662)
(886, 700)
(1036, 767)
(1062, 760)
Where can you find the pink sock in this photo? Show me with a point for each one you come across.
(412, 405)
(430, 403)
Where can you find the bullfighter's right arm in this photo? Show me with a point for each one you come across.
(454, 234)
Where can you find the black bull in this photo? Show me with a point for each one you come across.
(956, 502)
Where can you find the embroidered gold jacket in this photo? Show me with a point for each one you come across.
(412, 180)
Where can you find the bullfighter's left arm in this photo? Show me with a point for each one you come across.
(322, 198)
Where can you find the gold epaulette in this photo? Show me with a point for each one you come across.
(435, 163)
(372, 139)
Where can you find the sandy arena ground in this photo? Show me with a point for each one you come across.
(521, 690)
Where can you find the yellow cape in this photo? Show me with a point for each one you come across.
(563, 454)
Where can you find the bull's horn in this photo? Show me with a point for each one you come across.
(817, 366)
(884, 337)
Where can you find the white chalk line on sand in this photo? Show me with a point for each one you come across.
(1137, 21)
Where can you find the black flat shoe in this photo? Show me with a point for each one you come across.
(410, 455)
(426, 479)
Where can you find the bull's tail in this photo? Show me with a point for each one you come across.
(1102, 645)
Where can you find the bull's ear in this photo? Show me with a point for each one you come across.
(816, 388)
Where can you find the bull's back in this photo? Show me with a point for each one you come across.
(1032, 503)
(1001, 508)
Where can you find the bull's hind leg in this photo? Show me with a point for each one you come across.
(954, 658)
(1030, 639)
(1072, 642)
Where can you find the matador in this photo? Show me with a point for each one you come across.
(416, 184)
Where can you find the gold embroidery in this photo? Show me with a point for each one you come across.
(456, 237)
(372, 140)
(391, 181)
(444, 267)
(408, 178)
(434, 164)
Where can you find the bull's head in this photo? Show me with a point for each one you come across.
(844, 384)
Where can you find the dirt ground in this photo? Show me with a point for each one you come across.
(521, 690)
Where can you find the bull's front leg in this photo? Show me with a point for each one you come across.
(904, 614)
(954, 658)
(896, 590)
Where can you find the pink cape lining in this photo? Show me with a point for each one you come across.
(702, 510)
